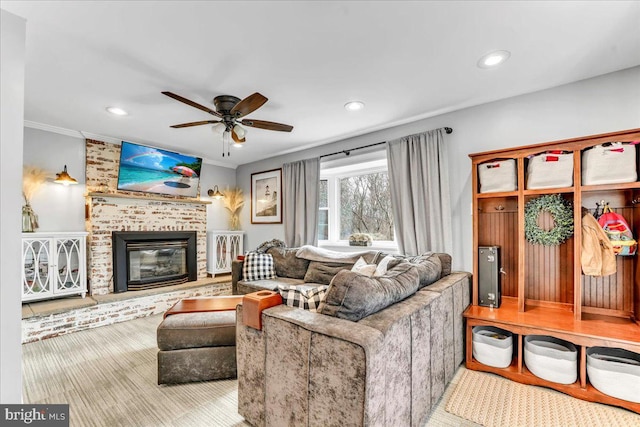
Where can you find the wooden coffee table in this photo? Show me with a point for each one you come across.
(199, 305)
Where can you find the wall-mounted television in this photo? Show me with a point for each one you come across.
(153, 170)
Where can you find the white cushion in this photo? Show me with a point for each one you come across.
(361, 267)
(382, 267)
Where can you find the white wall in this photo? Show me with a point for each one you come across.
(12, 58)
(59, 207)
(602, 104)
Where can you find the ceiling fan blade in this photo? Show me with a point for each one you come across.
(235, 137)
(204, 122)
(248, 105)
(267, 125)
(193, 104)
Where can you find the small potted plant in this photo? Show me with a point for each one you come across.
(360, 239)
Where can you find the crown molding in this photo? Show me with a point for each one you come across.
(53, 129)
(88, 135)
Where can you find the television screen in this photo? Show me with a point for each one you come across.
(152, 170)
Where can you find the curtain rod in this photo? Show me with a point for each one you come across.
(347, 152)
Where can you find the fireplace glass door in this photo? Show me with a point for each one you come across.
(151, 263)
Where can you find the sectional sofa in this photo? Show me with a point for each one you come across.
(353, 363)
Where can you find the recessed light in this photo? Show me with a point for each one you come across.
(493, 59)
(117, 111)
(354, 105)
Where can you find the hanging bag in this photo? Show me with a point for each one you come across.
(618, 231)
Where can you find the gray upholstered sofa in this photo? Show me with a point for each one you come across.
(388, 368)
(317, 267)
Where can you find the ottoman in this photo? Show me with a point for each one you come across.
(197, 346)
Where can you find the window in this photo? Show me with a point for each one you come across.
(355, 197)
(365, 206)
(323, 216)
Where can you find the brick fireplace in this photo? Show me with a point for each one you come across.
(108, 211)
(111, 211)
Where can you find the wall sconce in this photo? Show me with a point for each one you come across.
(215, 193)
(64, 178)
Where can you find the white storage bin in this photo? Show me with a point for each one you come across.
(551, 359)
(612, 164)
(548, 170)
(615, 372)
(492, 346)
(498, 176)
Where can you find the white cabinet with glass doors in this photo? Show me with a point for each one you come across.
(222, 248)
(53, 265)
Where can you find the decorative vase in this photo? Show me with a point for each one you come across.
(29, 219)
(234, 222)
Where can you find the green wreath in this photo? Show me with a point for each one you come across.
(562, 214)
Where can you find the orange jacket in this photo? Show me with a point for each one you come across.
(597, 256)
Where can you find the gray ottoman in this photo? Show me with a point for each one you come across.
(197, 347)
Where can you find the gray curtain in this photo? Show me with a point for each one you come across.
(419, 179)
(301, 181)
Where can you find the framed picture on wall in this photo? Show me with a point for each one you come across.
(266, 197)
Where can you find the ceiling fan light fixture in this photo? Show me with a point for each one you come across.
(240, 131)
(117, 111)
(493, 59)
(230, 109)
(238, 144)
(219, 128)
(354, 105)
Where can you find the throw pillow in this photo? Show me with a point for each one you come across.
(323, 272)
(362, 267)
(384, 265)
(429, 267)
(288, 264)
(257, 267)
(309, 299)
(352, 296)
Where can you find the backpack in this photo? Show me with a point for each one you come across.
(618, 231)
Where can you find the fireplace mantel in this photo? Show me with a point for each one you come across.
(152, 198)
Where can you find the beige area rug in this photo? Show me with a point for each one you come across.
(491, 400)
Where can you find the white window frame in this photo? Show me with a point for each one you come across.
(327, 208)
(333, 176)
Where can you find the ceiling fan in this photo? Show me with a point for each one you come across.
(230, 110)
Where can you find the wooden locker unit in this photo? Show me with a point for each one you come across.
(544, 291)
